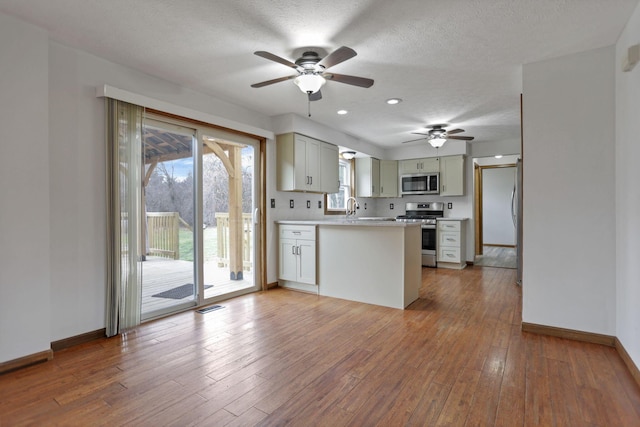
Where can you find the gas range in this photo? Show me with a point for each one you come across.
(427, 214)
(424, 213)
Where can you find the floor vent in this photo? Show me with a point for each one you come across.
(210, 308)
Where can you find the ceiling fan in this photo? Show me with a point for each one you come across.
(312, 71)
(437, 135)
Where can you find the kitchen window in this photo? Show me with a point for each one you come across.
(335, 204)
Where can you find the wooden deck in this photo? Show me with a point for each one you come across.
(162, 274)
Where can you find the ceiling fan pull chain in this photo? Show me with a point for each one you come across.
(309, 103)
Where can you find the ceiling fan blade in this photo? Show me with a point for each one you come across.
(337, 56)
(275, 58)
(463, 138)
(270, 82)
(413, 140)
(315, 96)
(420, 133)
(451, 132)
(350, 80)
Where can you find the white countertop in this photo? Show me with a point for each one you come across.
(452, 219)
(350, 222)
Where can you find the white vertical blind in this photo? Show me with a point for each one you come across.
(124, 216)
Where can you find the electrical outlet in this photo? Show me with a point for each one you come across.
(273, 203)
(319, 204)
(308, 204)
(391, 206)
(449, 205)
(291, 203)
(365, 206)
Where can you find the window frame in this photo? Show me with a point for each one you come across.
(351, 186)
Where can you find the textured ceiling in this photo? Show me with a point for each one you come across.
(451, 61)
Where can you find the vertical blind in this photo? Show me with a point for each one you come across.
(124, 219)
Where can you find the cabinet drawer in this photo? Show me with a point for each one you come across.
(449, 225)
(305, 232)
(449, 255)
(449, 238)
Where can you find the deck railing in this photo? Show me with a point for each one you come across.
(222, 221)
(162, 234)
(164, 241)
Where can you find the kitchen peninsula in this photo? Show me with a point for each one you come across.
(371, 261)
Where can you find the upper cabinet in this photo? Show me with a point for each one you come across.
(452, 176)
(388, 178)
(329, 165)
(426, 165)
(306, 164)
(367, 177)
(376, 178)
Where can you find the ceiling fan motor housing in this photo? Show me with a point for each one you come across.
(308, 61)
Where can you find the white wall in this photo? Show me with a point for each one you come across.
(497, 223)
(24, 191)
(568, 192)
(77, 176)
(627, 201)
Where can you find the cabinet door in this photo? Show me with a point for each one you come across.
(388, 178)
(375, 177)
(313, 164)
(452, 176)
(329, 161)
(430, 165)
(301, 177)
(363, 177)
(307, 261)
(288, 260)
(408, 166)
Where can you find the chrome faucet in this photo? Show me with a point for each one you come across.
(355, 205)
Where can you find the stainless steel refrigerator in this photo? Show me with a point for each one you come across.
(516, 215)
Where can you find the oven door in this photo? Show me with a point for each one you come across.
(429, 245)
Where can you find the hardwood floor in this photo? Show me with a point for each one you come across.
(455, 357)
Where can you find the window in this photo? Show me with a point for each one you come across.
(336, 203)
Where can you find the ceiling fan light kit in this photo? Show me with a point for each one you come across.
(437, 142)
(309, 83)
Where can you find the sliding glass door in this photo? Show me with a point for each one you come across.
(229, 209)
(168, 253)
(200, 229)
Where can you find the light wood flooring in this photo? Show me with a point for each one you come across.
(456, 357)
(497, 256)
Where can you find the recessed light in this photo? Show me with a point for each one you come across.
(498, 156)
(394, 101)
(342, 112)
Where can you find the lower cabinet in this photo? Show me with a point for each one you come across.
(452, 244)
(297, 257)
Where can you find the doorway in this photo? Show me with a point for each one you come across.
(495, 225)
(201, 223)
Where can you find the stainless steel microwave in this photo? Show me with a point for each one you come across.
(420, 183)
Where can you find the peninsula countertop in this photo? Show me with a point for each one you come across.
(356, 222)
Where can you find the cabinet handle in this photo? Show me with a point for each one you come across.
(297, 233)
(451, 240)
(310, 180)
(298, 250)
(293, 250)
